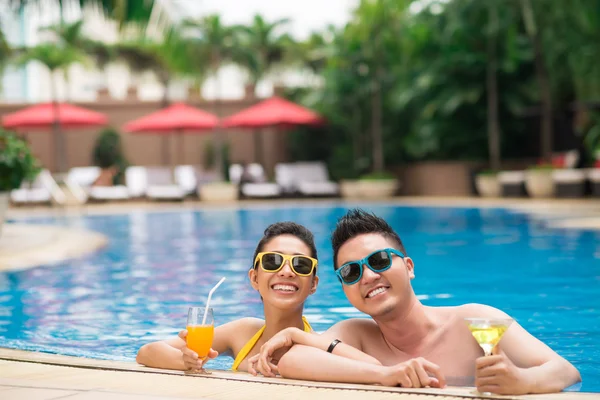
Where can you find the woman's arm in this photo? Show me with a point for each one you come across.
(169, 354)
(348, 346)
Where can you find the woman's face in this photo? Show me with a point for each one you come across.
(284, 289)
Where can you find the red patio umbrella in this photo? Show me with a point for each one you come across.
(54, 116)
(273, 112)
(44, 116)
(177, 118)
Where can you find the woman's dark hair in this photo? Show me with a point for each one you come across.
(287, 228)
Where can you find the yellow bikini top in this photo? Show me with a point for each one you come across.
(250, 345)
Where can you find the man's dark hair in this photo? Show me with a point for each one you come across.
(357, 222)
(287, 228)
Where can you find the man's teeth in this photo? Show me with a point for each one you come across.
(286, 288)
(375, 292)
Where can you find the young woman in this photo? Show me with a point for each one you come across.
(284, 273)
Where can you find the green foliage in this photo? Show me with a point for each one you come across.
(17, 164)
(122, 11)
(378, 176)
(210, 158)
(53, 56)
(108, 153)
(541, 168)
(259, 47)
(488, 172)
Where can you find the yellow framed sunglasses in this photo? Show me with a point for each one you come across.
(271, 261)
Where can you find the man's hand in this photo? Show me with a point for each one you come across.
(191, 359)
(413, 374)
(498, 374)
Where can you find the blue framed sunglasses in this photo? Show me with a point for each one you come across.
(378, 261)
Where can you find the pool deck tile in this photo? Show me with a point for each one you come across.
(100, 377)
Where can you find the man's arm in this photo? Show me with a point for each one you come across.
(540, 369)
(309, 363)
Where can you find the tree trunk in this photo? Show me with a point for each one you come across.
(376, 128)
(217, 133)
(258, 147)
(59, 162)
(492, 91)
(356, 136)
(165, 99)
(543, 81)
(376, 102)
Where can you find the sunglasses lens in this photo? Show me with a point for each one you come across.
(350, 272)
(380, 260)
(271, 261)
(302, 265)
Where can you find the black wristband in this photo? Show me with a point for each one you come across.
(332, 345)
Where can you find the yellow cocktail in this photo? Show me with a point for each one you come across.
(488, 331)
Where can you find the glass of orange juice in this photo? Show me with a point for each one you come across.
(200, 332)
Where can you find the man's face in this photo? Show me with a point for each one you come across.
(377, 294)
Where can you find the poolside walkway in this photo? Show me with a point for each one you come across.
(47, 376)
(26, 246)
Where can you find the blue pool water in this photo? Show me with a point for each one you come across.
(157, 264)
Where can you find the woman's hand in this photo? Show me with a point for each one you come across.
(264, 362)
(191, 359)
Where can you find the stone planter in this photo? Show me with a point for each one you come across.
(488, 185)
(350, 189)
(539, 183)
(4, 197)
(218, 192)
(381, 188)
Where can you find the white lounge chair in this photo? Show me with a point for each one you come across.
(513, 183)
(312, 179)
(285, 178)
(162, 184)
(260, 188)
(569, 182)
(43, 189)
(136, 179)
(186, 178)
(593, 175)
(80, 180)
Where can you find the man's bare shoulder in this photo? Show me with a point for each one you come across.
(475, 310)
(357, 327)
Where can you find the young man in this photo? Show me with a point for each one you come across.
(414, 345)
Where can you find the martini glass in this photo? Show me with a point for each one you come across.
(488, 332)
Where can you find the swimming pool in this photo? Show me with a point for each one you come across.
(157, 263)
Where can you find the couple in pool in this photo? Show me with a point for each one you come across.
(403, 344)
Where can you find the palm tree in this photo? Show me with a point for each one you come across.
(492, 88)
(260, 48)
(122, 11)
(56, 58)
(213, 42)
(5, 54)
(379, 24)
(533, 31)
(173, 56)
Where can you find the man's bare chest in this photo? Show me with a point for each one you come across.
(454, 352)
